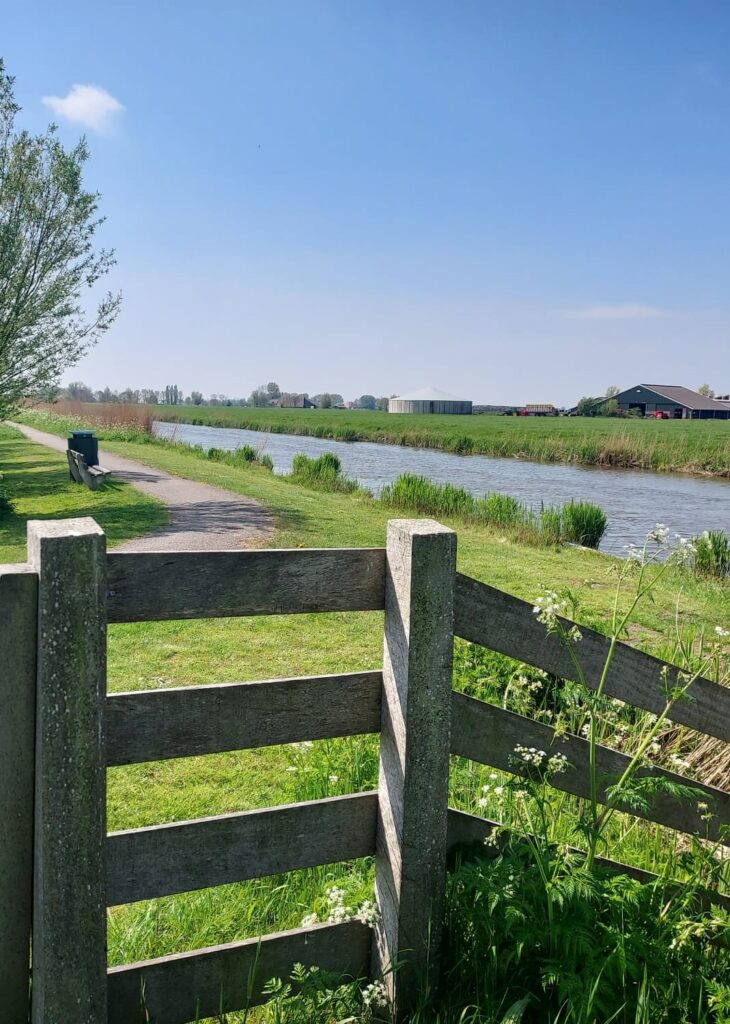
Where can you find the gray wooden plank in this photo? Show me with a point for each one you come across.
(488, 734)
(149, 862)
(151, 586)
(190, 986)
(507, 624)
(151, 725)
(18, 625)
(410, 871)
(69, 913)
(74, 471)
(468, 833)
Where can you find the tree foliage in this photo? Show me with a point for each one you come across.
(327, 400)
(587, 406)
(47, 257)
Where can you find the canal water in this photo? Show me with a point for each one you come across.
(634, 501)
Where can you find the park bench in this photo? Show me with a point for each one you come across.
(82, 473)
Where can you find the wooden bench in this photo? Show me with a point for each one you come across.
(82, 473)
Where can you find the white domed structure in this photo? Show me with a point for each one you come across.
(430, 400)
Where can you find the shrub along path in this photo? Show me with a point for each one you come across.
(202, 517)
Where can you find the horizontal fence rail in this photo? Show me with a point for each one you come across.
(78, 731)
(468, 834)
(153, 586)
(160, 860)
(487, 734)
(507, 624)
(469, 830)
(222, 979)
(152, 725)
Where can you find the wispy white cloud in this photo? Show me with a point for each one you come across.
(622, 312)
(89, 105)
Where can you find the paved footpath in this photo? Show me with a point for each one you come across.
(202, 518)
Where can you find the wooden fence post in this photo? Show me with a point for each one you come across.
(18, 611)
(69, 901)
(414, 755)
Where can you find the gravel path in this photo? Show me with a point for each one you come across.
(202, 518)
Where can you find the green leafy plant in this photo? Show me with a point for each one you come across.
(535, 914)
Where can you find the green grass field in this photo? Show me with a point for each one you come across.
(150, 655)
(694, 446)
(38, 484)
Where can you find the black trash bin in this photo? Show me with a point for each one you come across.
(84, 442)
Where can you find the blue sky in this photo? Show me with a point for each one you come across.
(514, 201)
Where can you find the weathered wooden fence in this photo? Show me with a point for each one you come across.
(59, 870)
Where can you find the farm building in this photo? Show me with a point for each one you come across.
(430, 400)
(295, 402)
(670, 401)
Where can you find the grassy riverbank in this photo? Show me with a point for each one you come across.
(315, 518)
(150, 655)
(701, 447)
(691, 446)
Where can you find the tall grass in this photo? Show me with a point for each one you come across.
(133, 429)
(583, 523)
(693, 446)
(323, 473)
(245, 454)
(577, 522)
(712, 554)
(104, 414)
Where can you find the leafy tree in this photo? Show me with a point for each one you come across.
(706, 390)
(130, 396)
(173, 395)
(47, 257)
(612, 390)
(327, 400)
(260, 396)
(366, 402)
(607, 408)
(150, 396)
(196, 397)
(273, 390)
(107, 395)
(587, 406)
(382, 404)
(77, 391)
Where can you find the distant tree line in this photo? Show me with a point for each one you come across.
(263, 396)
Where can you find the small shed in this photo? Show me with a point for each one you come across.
(430, 400)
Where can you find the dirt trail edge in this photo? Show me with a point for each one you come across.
(202, 518)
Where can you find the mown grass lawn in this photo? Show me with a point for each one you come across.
(167, 654)
(36, 480)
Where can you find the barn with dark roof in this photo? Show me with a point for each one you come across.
(671, 402)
